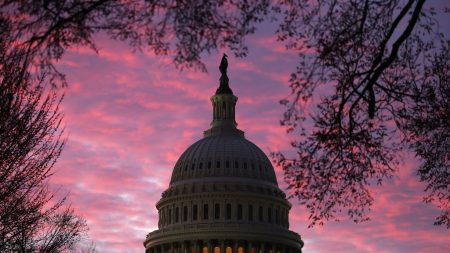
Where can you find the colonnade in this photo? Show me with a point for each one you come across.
(221, 246)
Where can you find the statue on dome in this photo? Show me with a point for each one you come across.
(223, 87)
(224, 65)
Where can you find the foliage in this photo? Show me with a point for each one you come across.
(183, 29)
(385, 68)
(31, 218)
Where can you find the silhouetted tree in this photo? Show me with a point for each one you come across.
(31, 218)
(381, 69)
(184, 29)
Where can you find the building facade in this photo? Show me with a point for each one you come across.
(223, 196)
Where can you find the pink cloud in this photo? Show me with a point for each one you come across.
(130, 116)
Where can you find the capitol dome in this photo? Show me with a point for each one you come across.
(223, 195)
(224, 156)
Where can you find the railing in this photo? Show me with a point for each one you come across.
(241, 226)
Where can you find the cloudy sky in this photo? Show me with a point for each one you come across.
(130, 115)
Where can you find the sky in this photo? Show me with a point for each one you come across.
(130, 115)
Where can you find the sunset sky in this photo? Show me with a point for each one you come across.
(130, 115)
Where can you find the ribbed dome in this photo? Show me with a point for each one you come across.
(224, 155)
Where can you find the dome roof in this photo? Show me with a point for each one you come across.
(224, 155)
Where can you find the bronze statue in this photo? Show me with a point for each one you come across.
(224, 65)
(224, 88)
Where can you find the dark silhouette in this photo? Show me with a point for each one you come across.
(224, 87)
(223, 66)
(32, 219)
(386, 72)
(385, 67)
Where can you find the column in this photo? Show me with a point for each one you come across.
(222, 246)
(235, 247)
(263, 248)
(249, 247)
(183, 247)
(162, 249)
(195, 246)
(171, 248)
(209, 244)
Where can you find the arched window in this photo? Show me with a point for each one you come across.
(224, 106)
(177, 215)
(261, 217)
(217, 211)
(185, 213)
(269, 214)
(239, 212)
(205, 211)
(277, 216)
(194, 212)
